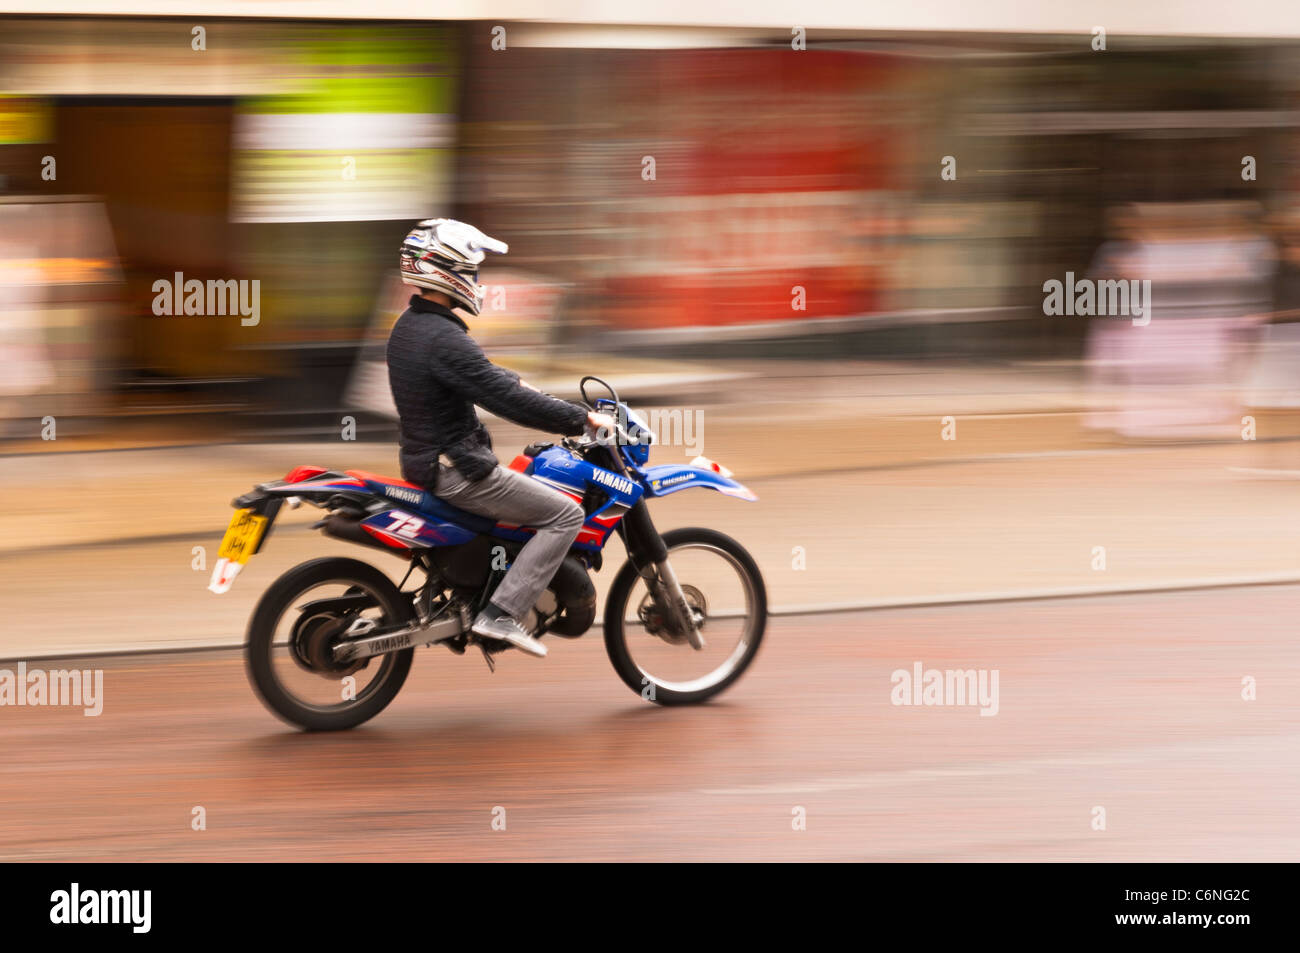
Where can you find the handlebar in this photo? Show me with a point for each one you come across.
(620, 436)
(591, 438)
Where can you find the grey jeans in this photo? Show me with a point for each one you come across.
(511, 497)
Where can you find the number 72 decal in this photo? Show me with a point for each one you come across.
(404, 525)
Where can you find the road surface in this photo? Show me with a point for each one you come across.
(1131, 704)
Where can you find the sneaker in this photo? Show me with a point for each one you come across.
(506, 629)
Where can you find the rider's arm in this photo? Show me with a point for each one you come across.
(464, 367)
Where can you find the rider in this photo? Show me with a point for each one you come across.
(438, 373)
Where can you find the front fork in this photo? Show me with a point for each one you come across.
(646, 549)
(670, 594)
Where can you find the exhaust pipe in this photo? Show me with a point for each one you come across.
(349, 530)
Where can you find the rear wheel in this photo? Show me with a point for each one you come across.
(725, 593)
(298, 621)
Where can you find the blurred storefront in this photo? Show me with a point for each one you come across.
(713, 191)
(287, 153)
(692, 193)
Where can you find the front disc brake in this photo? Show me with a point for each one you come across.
(657, 619)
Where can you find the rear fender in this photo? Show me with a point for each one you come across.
(316, 486)
(349, 602)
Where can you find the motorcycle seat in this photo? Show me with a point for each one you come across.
(417, 497)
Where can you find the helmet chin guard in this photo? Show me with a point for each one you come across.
(442, 254)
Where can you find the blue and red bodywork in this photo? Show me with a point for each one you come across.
(419, 520)
(569, 474)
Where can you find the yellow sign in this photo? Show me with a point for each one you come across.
(24, 120)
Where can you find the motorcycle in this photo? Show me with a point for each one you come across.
(330, 643)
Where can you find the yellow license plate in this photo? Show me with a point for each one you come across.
(242, 536)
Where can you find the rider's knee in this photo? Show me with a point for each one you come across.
(572, 518)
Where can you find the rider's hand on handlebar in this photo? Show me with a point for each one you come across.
(603, 425)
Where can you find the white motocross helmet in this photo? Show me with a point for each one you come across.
(443, 254)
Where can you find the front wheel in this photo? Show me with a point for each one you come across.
(725, 593)
(297, 623)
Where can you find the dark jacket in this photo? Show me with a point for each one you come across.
(438, 373)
